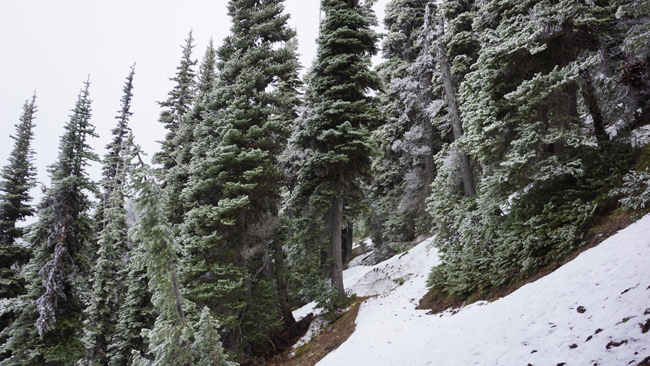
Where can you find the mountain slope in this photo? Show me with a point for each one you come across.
(553, 321)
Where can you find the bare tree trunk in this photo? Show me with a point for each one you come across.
(347, 250)
(177, 291)
(589, 94)
(456, 125)
(281, 278)
(335, 242)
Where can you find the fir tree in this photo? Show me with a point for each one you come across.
(336, 134)
(107, 285)
(235, 177)
(177, 176)
(47, 332)
(177, 105)
(172, 340)
(136, 312)
(112, 244)
(529, 129)
(407, 140)
(16, 179)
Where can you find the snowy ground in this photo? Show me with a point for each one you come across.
(542, 323)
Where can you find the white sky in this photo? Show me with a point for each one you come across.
(52, 46)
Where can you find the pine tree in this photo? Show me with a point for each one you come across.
(16, 179)
(47, 332)
(235, 178)
(336, 134)
(113, 242)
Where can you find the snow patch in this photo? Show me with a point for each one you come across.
(588, 311)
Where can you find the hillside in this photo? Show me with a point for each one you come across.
(592, 311)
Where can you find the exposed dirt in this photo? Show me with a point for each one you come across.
(645, 362)
(437, 301)
(329, 340)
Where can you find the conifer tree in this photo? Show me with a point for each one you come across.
(235, 177)
(16, 179)
(336, 134)
(407, 140)
(48, 329)
(458, 36)
(172, 341)
(526, 125)
(177, 105)
(136, 312)
(177, 176)
(113, 242)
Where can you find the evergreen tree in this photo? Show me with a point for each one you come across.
(177, 176)
(336, 135)
(136, 312)
(235, 178)
(177, 105)
(107, 284)
(16, 179)
(172, 340)
(113, 242)
(407, 140)
(539, 144)
(48, 329)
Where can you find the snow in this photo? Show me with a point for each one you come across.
(539, 324)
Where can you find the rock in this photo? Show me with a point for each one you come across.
(581, 309)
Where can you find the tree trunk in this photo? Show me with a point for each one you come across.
(456, 125)
(589, 94)
(281, 279)
(347, 248)
(176, 288)
(335, 242)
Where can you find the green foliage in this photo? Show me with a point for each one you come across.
(48, 329)
(402, 173)
(112, 244)
(234, 183)
(136, 312)
(16, 179)
(316, 287)
(635, 190)
(261, 317)
(207, 347)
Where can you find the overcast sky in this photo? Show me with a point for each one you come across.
(51, 47)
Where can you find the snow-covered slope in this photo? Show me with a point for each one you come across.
(575, 316)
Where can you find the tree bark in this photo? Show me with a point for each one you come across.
(335, 242)
(281, 279)
(347, 248)
(456, 124)
(589, 94)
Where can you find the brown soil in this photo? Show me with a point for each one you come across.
(437, 301)
(329, 340)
